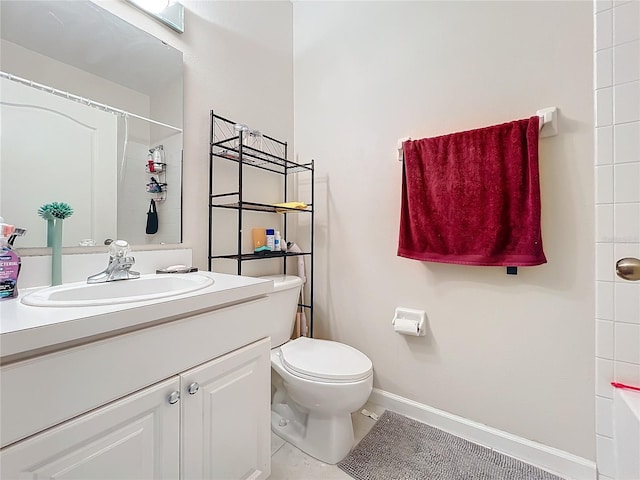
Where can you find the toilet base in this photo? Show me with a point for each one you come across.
(329, 438)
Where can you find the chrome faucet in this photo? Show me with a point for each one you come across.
(120, 263)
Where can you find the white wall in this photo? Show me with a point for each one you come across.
(617, 171)
(512, 352)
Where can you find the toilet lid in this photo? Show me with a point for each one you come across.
(325, 360)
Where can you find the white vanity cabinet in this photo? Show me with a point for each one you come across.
(181, 397)
(224, 404)
(216, 411)
(137, 437)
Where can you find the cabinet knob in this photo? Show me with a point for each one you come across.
(174, 397)
(193, 388)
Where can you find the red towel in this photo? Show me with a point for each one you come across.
(473, 197)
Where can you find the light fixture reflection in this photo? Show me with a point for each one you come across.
(169, 12)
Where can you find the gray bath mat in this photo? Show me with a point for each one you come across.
(399, 448)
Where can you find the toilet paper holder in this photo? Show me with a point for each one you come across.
(409, 321)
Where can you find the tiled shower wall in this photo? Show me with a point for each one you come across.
(617, 174)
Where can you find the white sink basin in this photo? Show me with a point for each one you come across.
(147, 287)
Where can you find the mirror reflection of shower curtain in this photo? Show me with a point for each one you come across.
(78, 143)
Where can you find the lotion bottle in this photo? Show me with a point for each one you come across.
(277, 242)
(271, 239)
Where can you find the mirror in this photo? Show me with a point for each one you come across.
(91, 111)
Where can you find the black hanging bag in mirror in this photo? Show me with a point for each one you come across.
(152, 218)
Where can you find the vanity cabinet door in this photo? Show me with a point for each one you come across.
(134, 437)
(226, 416)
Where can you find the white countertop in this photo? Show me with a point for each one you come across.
(24, 328)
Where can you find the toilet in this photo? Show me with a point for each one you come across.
(316, 384)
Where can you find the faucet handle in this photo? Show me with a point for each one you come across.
(119, 249)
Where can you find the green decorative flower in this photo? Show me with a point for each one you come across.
(45, 212)
(52, 210)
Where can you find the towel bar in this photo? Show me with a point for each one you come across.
(548, 127)
(400, 150)
(549, 121)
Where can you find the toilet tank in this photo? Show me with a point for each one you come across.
(282, 305)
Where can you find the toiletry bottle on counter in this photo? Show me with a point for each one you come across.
(276, 242)
(271, 239)
(9, 270)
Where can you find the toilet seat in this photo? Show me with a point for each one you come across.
(324, 360)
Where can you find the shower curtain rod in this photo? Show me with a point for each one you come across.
(82, 100)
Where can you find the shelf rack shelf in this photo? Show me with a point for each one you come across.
(256, 207)
(260, 256)
(250, 148)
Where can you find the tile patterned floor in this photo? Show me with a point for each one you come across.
(289, 463)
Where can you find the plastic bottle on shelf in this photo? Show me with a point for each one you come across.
(277, 241)
(158, 154)
(271, 239)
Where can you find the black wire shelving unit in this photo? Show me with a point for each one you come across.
(235, 142)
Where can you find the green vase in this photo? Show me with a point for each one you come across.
(49, 232)
(56, 253)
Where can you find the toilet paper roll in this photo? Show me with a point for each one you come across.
(406, 327)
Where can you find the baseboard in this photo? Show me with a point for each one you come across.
(561, 463)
